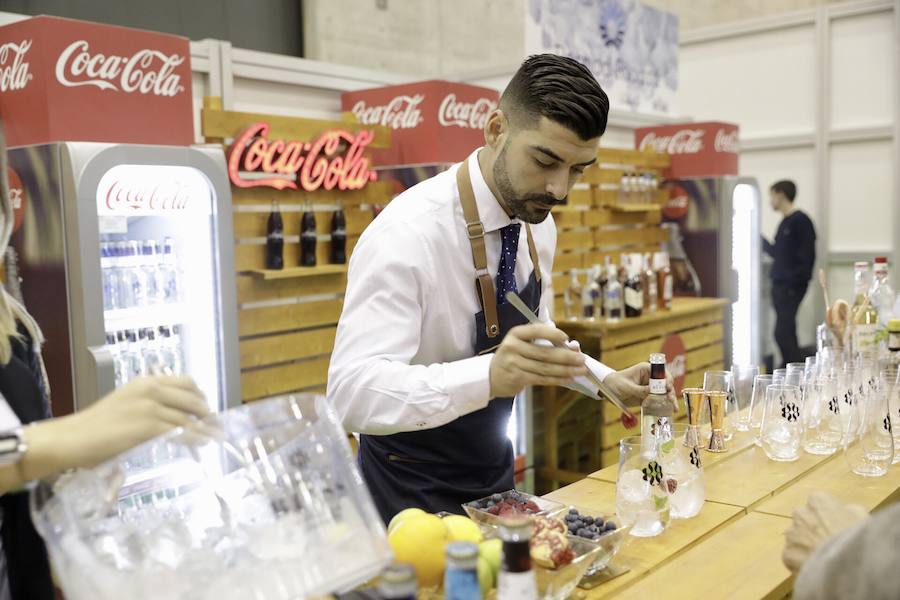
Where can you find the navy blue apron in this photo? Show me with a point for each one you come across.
(471, 457)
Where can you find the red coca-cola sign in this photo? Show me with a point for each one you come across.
(676, 359)
(67, 80)
(334, 160)
(697, 149)
(432, 121)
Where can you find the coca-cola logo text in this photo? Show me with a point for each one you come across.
(333, 161)
(727, 142)
(14, 74)
(146, 71)
(471, 115)
(155, 196)
(684, 141)
(401, 112)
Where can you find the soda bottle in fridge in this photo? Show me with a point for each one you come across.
(132, 356)
(150, 267)
(275, 239)
(107, 276)
(176, 344)
(338, 237)
(171, 290)
(151, 353)
(123, 275)
(308, 239)
(137, 277)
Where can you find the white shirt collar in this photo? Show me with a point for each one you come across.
(493, 217)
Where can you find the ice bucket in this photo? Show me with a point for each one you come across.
(262, 501)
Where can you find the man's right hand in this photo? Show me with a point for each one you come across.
(519, 362)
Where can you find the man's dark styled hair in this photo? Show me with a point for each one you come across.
(559, 88)
(786, 188)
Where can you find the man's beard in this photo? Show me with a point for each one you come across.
(515, 202)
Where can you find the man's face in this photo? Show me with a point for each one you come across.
(775, 199)
(537, 167)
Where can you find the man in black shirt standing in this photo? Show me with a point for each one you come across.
(794, 252)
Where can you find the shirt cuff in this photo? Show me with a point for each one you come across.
(597, 367)
(468, 383)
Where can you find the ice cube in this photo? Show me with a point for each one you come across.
(632, 487)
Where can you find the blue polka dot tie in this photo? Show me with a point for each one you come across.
(506, 272)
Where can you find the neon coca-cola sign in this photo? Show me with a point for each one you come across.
(333, 161)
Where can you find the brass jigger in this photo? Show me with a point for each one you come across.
(717, 402)
(693, 403)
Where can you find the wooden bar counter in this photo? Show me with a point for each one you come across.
(575, 435)
(732, 549)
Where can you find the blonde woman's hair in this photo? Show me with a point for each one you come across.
(12, 313)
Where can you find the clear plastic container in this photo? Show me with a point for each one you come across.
(263, 501)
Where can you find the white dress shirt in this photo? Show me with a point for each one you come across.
(404, 355)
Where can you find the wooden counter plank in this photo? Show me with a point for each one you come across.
(836, 478)
(739, 561)
(680, 307)
(750, 476)
(642, 555)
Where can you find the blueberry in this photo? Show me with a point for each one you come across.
(570, 518)
(573, 530)
(588, 520)
(598, 521)
(583, 532)
(496, 498)
(594, 536)
(610, 526)
(573, 511)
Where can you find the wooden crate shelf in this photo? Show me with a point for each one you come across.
(294, 272)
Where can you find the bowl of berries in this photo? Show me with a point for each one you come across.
(492, 509)
(600, 530)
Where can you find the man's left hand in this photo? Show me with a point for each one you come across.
(632, 385)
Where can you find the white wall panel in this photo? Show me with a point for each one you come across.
(252, 95)
(862, 200)
(764, 82)
(862, 70)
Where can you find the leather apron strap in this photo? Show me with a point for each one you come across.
(484, 283)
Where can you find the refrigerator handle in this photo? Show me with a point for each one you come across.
(104, 375)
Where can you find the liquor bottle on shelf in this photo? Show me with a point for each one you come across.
(603, 280)
(634, 295)
(684, 278)
(516, 580)
(338, 237)
(308, 238)
(589, 293)
(572, 296)
(865, 321)
(171, 278)
(624, 187)
(663, 280)
(612, 298)
(651, 287)
(596, 278)
(275, 239)
(656, 410)
(635, 188)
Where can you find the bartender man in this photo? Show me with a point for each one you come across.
(429, 354)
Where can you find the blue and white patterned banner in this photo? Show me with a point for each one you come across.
(631, 48)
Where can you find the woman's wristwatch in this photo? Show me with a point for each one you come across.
(12, 448)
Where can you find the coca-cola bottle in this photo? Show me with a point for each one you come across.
(308, 239)
(275, 239)
(338, 237)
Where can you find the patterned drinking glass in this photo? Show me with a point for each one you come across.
(890, 382)
(742, 378)
(871, 450)
(683, 465)
(758, 401)
(781, 430)
(821, 416)
(794, 374)
(642, 495)
(778, 376)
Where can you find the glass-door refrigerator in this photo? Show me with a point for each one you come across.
(717, 220)
(124, 255)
